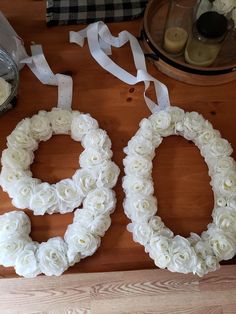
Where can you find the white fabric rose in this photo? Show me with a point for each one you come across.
(194, 238)
(194, 124)
(221, 201)
(96, 224)
(146, 131)
(10, 248)
(206, 137)
(52, 257)
(17, 158)
(223, 6)
(225, 184)
(208, 264)
(140, 146)
(137, 166)
(159, 251)
(161, 121)
(26, 263)
(156, 224)
(141, 230)
(136, 185)
(231, 202)
(202, 249)
(79, 239)
(217, 147)
(212, 263)
(177, 115)
(21, 137)
(24, 125)
(73, 257)
(221, 165)
(69, 196)
(85, 180)
(222, 244)
(5, 90)
(92, 157)
(107, 174)
(200, 268)
(14, 224)
(9, 177)
(22, 192)
(44, 199)
(40, 126)
(183, 256)
(60, 120)
(101, 200)
(81, 124)
(225, 219)
(141, 208)
(96, 138)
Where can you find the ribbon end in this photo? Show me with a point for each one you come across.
(77, 37)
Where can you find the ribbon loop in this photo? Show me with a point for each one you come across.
(100, 41)
(39, 66)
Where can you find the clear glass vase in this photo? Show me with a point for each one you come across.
(9, 80)
(178, 26)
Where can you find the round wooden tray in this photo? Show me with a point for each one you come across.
(222, 71)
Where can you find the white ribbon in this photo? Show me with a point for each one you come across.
(39, 66)
(100, 41)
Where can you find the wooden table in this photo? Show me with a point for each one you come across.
(138, 292)
(180, 174)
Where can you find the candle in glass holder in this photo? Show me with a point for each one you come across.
(175, 39)
(178, 26)
(209, 32)
(201, 54)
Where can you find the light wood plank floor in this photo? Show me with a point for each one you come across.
(136, 292)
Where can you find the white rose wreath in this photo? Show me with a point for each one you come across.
(90, 186)
(97, 170)
(197, 254)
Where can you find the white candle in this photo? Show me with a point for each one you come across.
(5, 90)
(201, 54)
(175, 39)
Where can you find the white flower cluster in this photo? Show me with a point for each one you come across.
(196, 254)
(52, 258)
(225, 7)
(97, 170)
(92, 185)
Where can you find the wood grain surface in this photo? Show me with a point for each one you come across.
(136, 292)
(180, 174)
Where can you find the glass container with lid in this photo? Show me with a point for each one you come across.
(205, 42)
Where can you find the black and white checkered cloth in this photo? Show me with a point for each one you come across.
(61, 12)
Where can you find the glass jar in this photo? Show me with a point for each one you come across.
(9, 79)
(178, 25)
(205, 42)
